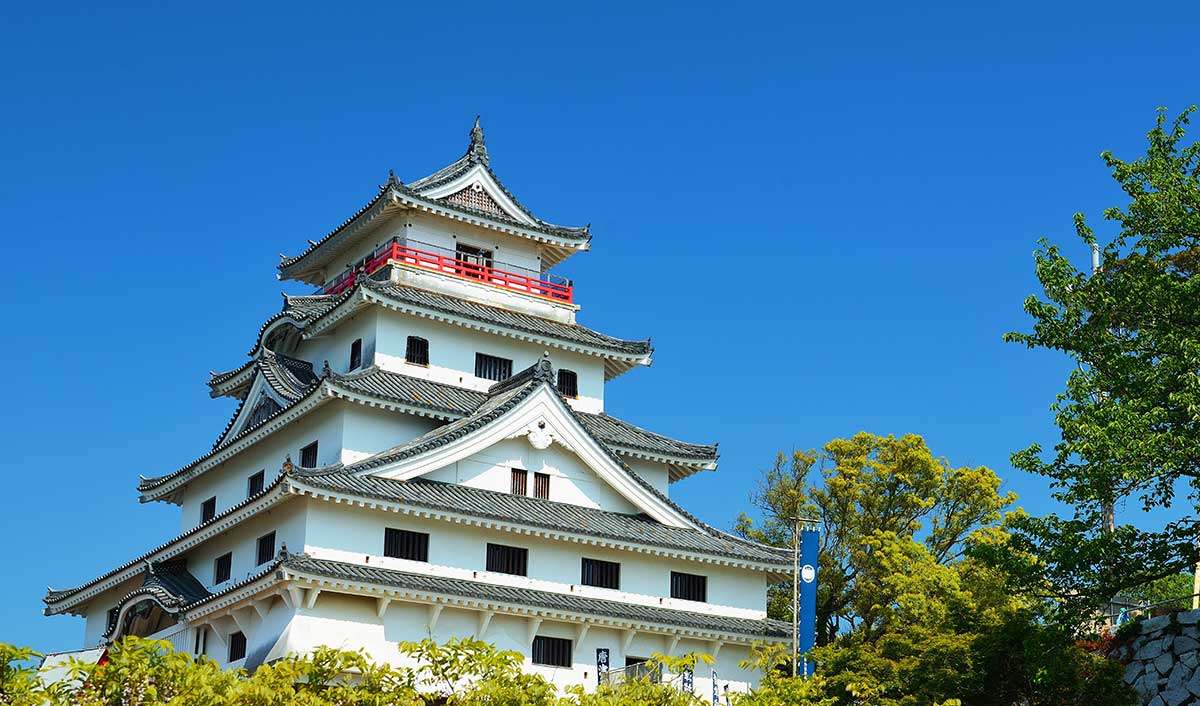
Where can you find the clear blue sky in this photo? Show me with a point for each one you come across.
(822, 213)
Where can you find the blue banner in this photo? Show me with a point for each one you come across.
(716, 693)
(809, 548)
(687, 681)
(601, 664)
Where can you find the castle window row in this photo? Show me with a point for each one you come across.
(504, 559)
(488, 367)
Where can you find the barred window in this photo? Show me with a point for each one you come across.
(223, 568)
(201, 644)
(476, 259)
(308, 456)
(255, 484)
(689, 587)
(266, 548)
(417, 351)
(541, 485)
(237, 646)
(355, 354)
(520, 481)
(490, 367)
(568, 383)
(552, 651)
(507, 560)
(208, 509)
(601, 574)
(403, 544)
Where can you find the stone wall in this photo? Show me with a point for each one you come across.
(1162, 659)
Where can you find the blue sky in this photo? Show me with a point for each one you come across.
(824, 216)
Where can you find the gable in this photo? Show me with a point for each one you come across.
(476, 188)
(260, 403)
(474, 196)
(538, 418)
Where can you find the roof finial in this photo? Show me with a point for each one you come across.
(478, 150)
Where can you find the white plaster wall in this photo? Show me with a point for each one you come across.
(370, 430)
(452, 352)
(334, 345)
(355, 535)
(228, 481)
(288, 522)
(653, 472)
(570, 480)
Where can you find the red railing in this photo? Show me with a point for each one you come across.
(447, 264)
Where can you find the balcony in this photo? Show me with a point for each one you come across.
(432, 257)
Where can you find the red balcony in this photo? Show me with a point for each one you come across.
(552, 287)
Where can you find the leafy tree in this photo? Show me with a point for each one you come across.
(1129, 417)
(869, 489)
(19, 683)
(467, 672)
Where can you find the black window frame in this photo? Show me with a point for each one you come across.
(200, 643)
(260, 556)
(256, 483)
(405, 544)
(227, 558)
(237, 646)
(506, 559)
(492, 367)
(208, 509)
(313, 449)
(541, 485)
(686, 587)
(355, 355)
(552, 651)
(474, 255)
(568, 383)
(600, 573)
(416, 351)
(519, 484)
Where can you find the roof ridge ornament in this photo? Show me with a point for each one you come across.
(477, 152)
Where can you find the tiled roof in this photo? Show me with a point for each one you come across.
(546, 514)
(505, 318)
(170, 584)
(617, 432)
(584, 607)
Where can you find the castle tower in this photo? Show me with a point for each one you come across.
(420, 448)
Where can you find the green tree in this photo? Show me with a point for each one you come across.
(1129, 416)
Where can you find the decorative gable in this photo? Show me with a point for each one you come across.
(263, 410)
(475, 197)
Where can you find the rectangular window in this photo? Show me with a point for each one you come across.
(308, 456)
(208, 509)
(642, 668)
(689, 587)
(507, 560)
(223, 568)
(417, 351)
(552, 651)
(355, 354)
(255, 484)
(520, 482)
(266, 548)
(541, 485)
(402, 544)
(476, 259)
(601, 574)
(237, 646)
(201, 644)
(568, 383)
(490, 367)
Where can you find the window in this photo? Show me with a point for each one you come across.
(208, 509)
(568, 383)
(642, 668)
(308, 456)
(201, 644)
(541, 485)
(223, 568)
(266, 548)
(475, 258)
(520, 481)
(601, 574)
(355, 354)
(402, 544)
(507, 560)
(490, 367)
(417, 351)
(254, 485)
(689, 587)
(237, 646)
(552, 651)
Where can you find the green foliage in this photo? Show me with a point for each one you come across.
(469, 672)
(1129, 416)
(1168, 593)
(19, 683)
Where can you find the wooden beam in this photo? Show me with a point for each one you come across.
(381, 606)
(581, 632)
(312, 598)
(485, 619)
(287, 599)
(716, 648)
(262, 607)
(242, 616)
(534, 624)
(435, 612)
(297, 595)
(673, 645)
(628, 635)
